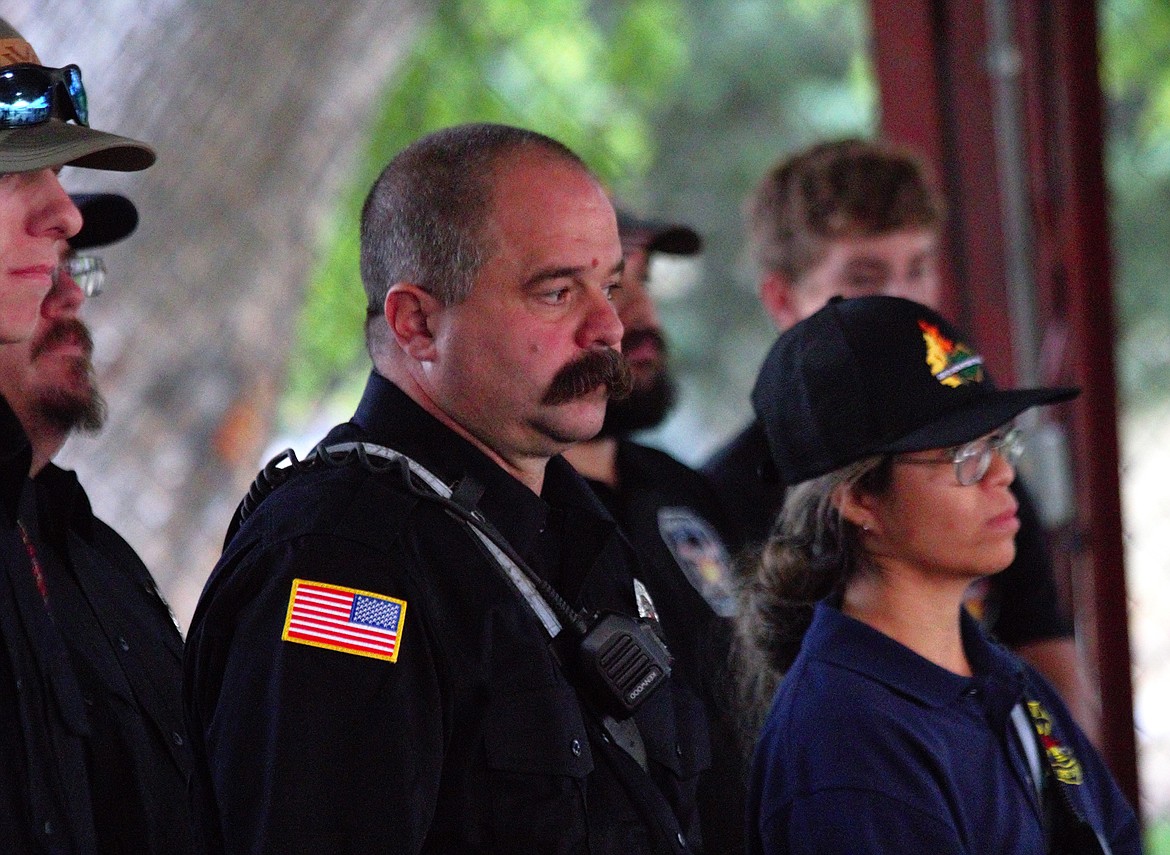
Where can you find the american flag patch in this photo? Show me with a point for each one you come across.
(343, 619)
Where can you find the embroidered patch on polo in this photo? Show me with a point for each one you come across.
(344, 619)
(1064, 763)
(951, 362)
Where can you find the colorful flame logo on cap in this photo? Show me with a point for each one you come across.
(952, 363)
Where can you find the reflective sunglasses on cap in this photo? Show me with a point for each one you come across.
(32, 94)
(973, 459)
(88, 272)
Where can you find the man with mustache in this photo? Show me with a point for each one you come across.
(397, 650)
(671, 515)
(121, 640)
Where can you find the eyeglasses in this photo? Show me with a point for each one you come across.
(31, 94)
(973, 459)
(88, 272)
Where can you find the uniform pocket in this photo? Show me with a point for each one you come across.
(538, 758)
(674, 728)
(539, 732)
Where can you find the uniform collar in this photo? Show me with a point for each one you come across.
(15, 459)
(62, 504)
(844, 641)
(388, 416)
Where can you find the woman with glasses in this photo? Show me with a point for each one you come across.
(898, 725)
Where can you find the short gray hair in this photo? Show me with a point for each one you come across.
(426, 218)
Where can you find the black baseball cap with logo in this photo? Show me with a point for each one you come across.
(871, 376)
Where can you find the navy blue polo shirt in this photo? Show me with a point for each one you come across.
(869, 747)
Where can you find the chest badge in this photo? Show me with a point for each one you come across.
(1064, 763)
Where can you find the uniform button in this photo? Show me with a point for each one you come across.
(576, 748)
(48, 826)
(678, 749)
(19, 684)
(973, 692)
(123, 643)
(682, 841)
(88, 699)
(177, 738)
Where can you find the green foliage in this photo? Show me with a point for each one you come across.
(1158, 838)
(765, 79)
(1135, 73)
(549, 65)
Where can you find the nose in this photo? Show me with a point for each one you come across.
(65, 298)
(999, 472)
(635, 307)
(54, 215)
(602, 324)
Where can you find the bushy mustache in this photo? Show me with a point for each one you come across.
(597, 368)
(61, 332)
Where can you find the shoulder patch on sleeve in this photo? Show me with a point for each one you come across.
(344, 619)
(701, 555)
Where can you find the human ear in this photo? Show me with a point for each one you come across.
(856, 506)
(776, 296)
(409, 312)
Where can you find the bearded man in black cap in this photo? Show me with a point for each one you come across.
(671, 515)
(82, 690)
(122, 641)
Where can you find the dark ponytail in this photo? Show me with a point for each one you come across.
(810, 555)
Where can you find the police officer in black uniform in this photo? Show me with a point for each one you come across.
(373, 667)
(673, 518)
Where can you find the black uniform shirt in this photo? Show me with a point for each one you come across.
(469, 738)
(1020, 604)
(44, 791)
(671, 515)
(126, 655)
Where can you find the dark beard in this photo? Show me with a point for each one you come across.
(644, 408)
(597, 368)
(70, 411)
(78, 406)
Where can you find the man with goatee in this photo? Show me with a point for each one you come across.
(120, 640)
(672, 518)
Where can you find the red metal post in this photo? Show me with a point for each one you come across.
(932, 62)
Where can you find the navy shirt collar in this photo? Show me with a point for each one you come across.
(849, 643)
